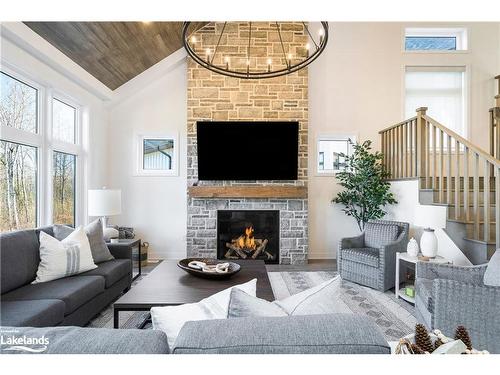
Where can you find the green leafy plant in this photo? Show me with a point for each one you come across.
(366, 190)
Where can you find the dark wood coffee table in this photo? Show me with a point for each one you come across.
(168, 285)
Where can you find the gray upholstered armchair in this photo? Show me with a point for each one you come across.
(448, 296)
(370, 258)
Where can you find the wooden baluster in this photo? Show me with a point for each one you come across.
(382, 147)
(441, 166)
(466, 183)
(405, 150)
(486, 201)
(457, 180)
(398, 154)
(497, 133)
(422, 147)
(412, 148)
(427, 155)
(492, 134)
(476, 218)
(448, 171)
(402, 155)
(497, 207)
(393, 154)
(434, 158)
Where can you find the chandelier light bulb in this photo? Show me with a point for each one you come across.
(321, 33)
(226, 60)
(269, 62)
(193, 39)
(308, 47)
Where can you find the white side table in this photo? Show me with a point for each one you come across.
(400, 292)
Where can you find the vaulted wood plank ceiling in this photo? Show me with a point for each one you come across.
(113, 52)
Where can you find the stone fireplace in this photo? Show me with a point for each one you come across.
(213, 97)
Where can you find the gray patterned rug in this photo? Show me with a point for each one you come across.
(394, 317)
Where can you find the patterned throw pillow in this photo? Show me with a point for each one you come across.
(378, 234)
(100, 251)
(64, 258)
(325, 298)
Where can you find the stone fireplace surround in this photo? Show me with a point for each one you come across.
(214, 97)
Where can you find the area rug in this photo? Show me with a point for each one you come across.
(394, 317)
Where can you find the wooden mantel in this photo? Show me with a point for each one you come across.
(272, 191)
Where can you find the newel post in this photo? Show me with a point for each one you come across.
(422, 141)
(497, 97)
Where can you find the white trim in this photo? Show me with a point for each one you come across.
(139, 153)
(23, 37)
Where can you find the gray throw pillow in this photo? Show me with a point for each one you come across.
(100, 251)
(492, 273)
(243, 305)
(325, 298)
(378, 234)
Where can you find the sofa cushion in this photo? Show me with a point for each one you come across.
(19, 252)
(32, 313)
(378, 234)
(365, 255)
(319, 334)
(100, 251)
(423, 288)
(74, 291)
(76, 340)
(112, 270)
(492, 273)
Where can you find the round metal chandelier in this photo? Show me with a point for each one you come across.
(243, 58)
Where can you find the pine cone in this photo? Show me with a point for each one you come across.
(416, 349)
(422, 338)
(438, 343)
(462, 334)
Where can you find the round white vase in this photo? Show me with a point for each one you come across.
(412, 248)
(428, 243)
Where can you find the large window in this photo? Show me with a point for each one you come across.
(441, 90)
(41, 157)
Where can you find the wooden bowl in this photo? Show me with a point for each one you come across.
(233, 268)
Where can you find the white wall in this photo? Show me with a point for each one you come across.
(357, 86)
(24, 61)
(154, 206)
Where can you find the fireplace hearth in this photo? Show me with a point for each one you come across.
(248, 234)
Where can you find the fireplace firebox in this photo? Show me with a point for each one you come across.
(248, 234)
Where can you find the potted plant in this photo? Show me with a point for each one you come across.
(366, 190)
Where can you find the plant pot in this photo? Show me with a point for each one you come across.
(428, 243)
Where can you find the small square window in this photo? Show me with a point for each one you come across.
(435, 39)
(330, 149)
(157, 155)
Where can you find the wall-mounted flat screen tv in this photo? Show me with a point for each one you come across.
(247, 150)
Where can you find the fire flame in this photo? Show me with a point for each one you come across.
(247, 241)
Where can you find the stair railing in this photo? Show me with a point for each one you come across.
(450, 165)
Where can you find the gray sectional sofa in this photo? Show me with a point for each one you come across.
(69, 301)
(307, 334)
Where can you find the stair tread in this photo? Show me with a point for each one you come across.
(480, 241)
(464, 221)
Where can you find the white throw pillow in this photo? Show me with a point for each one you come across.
(170, 319)
(321, 299)
(64, 258)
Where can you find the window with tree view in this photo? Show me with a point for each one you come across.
(64, 173)
(41, 157)
(18, 168)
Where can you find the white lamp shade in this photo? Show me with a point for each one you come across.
(430, 217)
(104, 202)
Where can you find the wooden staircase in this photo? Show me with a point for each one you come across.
(452, 172)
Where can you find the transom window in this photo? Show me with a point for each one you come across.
(41, 157)
(435, 39)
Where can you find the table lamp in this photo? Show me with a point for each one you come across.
(430, 219)
(105, 202)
